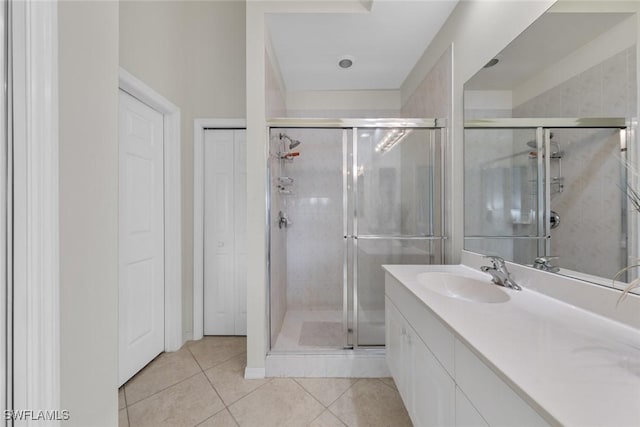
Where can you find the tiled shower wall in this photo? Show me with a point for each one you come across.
(315, 239)
(432, 98)
(589, 236)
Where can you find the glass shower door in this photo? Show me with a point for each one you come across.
(504, 192)
(397, 217)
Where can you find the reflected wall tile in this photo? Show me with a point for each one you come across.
(632, 94)
(614, 84)
(590, 88)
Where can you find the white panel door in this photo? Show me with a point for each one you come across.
(225, 249)
(141, 236)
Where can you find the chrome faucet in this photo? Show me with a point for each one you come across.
(544, 263)
(499, 273)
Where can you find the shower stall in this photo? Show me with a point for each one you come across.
(540, 187)
(346, 197)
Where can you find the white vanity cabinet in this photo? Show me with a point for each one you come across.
(425, 386)
(441, 381)
(466, 414)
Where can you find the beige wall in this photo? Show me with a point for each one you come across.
(274, 88)
(193, 53)
(88, 82)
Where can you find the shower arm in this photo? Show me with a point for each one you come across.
(292, 142)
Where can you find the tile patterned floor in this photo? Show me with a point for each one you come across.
(203, 385)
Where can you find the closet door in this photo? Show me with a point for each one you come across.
(224, 232)
(240, 203)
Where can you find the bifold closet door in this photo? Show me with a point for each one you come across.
(224, 232)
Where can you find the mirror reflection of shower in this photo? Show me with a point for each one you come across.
(557, 180)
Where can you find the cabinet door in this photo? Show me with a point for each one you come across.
(395, 333)
(432, 389)
(466, 414)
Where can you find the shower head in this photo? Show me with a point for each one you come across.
(293, 143)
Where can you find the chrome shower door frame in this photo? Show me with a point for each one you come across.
(349, 195)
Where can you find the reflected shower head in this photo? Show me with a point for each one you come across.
(293, 143)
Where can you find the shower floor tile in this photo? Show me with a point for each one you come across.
(294, 336)
(317, 330)
(321, 334)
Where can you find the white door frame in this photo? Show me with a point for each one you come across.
(173, 337)
(199, 126)
(35, 281)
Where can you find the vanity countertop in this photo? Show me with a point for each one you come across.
(576, 368)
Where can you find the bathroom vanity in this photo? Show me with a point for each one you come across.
(465, 352)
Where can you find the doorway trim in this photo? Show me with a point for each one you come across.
(173, 335)
(199, 126)
(34, 280)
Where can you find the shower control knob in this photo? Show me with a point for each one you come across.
(220, 244)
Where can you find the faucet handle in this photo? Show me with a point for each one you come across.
(544, 263)
(546, 258)
(498, 262)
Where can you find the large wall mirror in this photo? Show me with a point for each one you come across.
(549, 145)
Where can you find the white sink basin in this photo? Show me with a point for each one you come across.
(464, 288)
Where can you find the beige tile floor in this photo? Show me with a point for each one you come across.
(203, 385)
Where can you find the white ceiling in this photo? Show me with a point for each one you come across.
(384, 44)
(549, 39)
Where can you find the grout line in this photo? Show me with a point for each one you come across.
(215, 390)
(219, 363)
(319, 415)
(251, 392)
(295, 380)
(268, 380)
(357, 380)
(226, 360)
(128, 420)
(159, 391)
(232, 416)
(392, 388)
(337, 416)
(208, 418)
(226, 407)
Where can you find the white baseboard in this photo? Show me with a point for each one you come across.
(254, 373)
